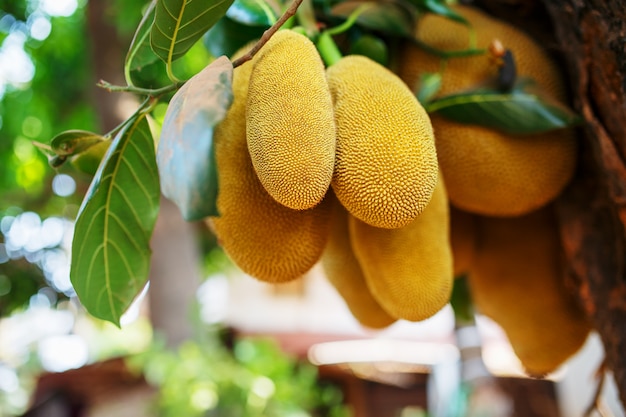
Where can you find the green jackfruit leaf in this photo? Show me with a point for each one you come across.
(88, 161)
(518, 112)
(185, 152)
(429, 85)
(110, 249)
(72, 142)
(140, 53)
(389, 18)
(178, 24)
(252, 13)
(439, 7)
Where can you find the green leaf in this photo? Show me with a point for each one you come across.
(461, 301)
(517, 112)
(110, 249)
(184, 156)
(88, 161)
(72, 142)
(252, 13)
(178, 24)
(140, 53)
(429, 85)
(441, 8)
(388, 18)
(227, 36)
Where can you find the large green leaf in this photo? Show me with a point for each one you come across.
(185, 152)
(110, 249)
(140, 53)
(178, 24)
(517, 112)
(389, 18)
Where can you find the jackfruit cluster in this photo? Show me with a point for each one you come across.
(486, 171)
(266, 239)
(338, 166)
(504, 236)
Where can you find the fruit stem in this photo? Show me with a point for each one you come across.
(350, 21)
(291, 11)
(448, 54)
(156, 92)
(328, 49)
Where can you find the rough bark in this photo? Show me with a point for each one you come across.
(589, 36)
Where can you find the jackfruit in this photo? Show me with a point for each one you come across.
(290, 123)
(264, 238)
(386, 162)
(344, 273)
(462, 240)
(409, 269)
(461, 73)
(518, 280)
(486, 171)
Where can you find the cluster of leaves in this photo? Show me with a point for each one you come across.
(111, 253)
(254, 378)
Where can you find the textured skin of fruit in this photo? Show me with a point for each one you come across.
(518, 281)
(488, 172)
(409, 269)
(290, 122)
(264, 238)
(344, 273)
(386, 164)
(498, 175)
(462, 240)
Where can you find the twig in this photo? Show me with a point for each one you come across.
(291, 11)
(156, 92)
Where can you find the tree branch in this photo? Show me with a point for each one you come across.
(291, 11)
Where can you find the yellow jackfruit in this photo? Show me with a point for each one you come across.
(461, 73)
(409, 269)
(386, 162)
(290, 123)
(264, 238)
(518, 280)
(462, 240)
(486, 171)
(344, 273)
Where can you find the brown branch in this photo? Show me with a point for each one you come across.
(291, 11)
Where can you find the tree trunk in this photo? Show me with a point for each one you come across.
(590, 35)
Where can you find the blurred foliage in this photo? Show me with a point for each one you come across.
(56, 99)
(252, 378)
